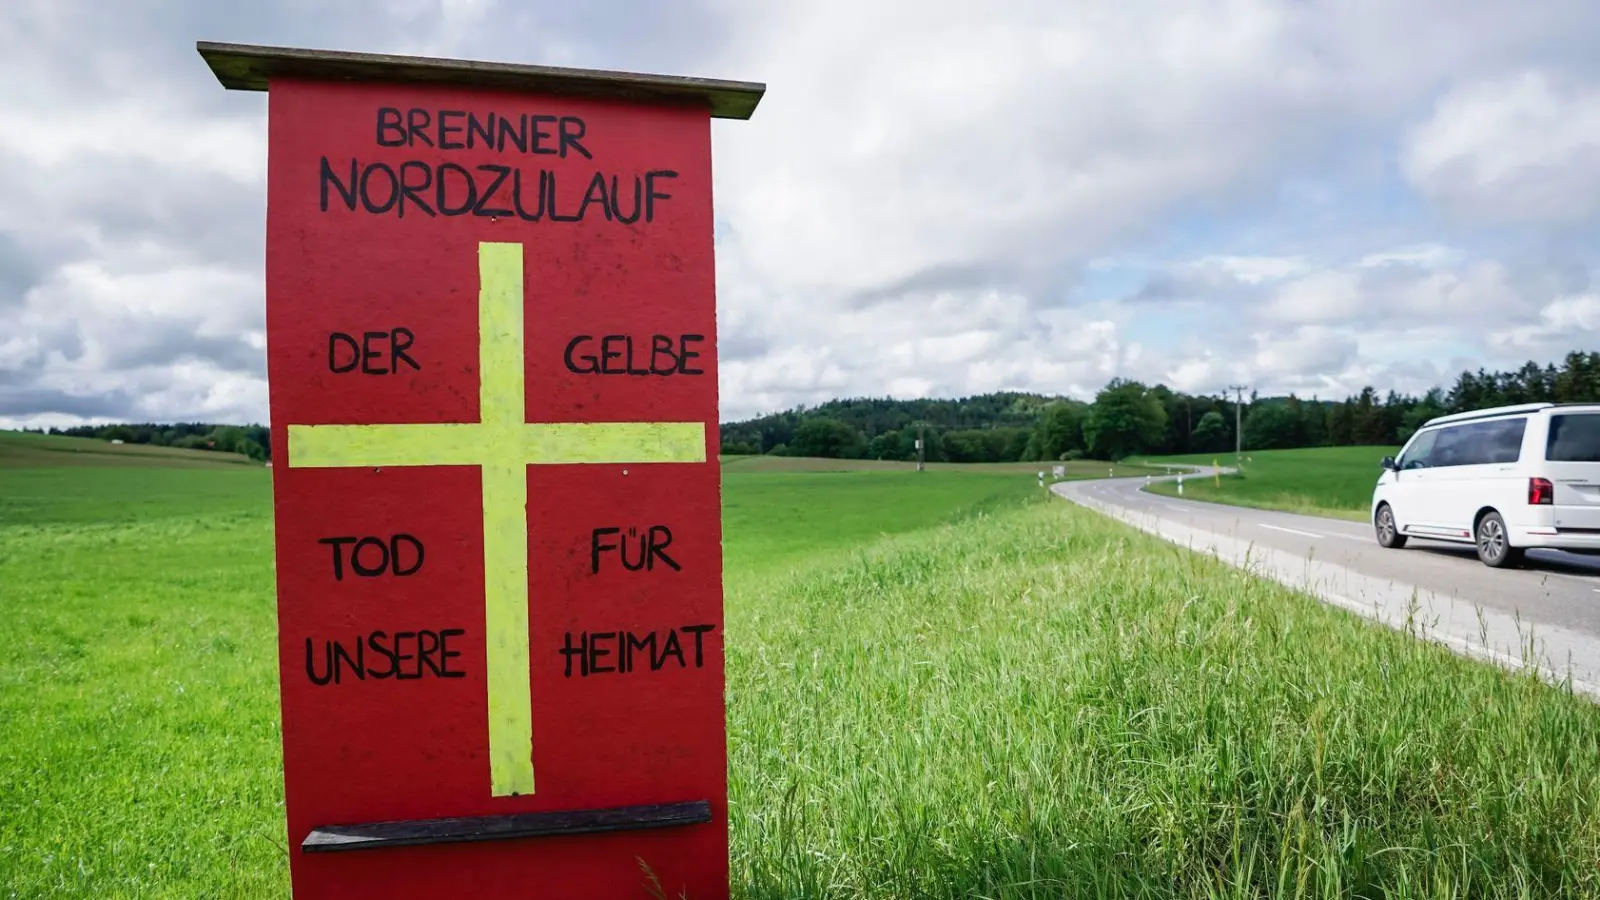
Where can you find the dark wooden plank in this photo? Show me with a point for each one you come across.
(247, 67)
(373, 835)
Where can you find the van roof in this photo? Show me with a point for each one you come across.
(1495, 412)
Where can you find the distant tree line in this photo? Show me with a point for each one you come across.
(248, 440)
(1126, 418)
(1129, 418)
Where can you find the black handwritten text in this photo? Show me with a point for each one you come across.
(346, 354)
(490, 190)
(451, 129)
(651, 544)
(409, 655)
(613, 354)
(622, 652)
(372, 556)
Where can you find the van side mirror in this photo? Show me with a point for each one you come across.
(1389, 464)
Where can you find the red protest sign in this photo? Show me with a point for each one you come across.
(491, 344)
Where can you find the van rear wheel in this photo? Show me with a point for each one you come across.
(1494, 545)
(1388, 533)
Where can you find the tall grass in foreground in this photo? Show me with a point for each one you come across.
(1042, 704)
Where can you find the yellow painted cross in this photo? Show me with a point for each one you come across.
(503, 444)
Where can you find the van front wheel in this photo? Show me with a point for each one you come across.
(1388, 533)
(1494, 545)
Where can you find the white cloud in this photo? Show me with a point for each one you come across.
(181, 341)
(1259, 269)
(1308, 348)
(1002, 137)
(1416, 255)
(166, 391)
(1027, 137)
(1406, 290)
(924, 189)
(1196, 374)
(142, 129)
(1406, 318)
(1319, 297)
(1566, 323)
(1521, 149)
(950, 343)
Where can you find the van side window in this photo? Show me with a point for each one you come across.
(1573, 438)
(1503, 440)
(1453, 447)
(1416, 456)
(1479, 443)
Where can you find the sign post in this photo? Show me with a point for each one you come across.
(491, 345)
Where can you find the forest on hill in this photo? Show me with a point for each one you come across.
(1128, 418)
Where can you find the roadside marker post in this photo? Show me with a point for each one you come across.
(492, 370)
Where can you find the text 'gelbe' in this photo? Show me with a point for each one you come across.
(615, 356)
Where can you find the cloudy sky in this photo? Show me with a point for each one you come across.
(935, 198)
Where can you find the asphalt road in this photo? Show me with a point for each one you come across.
(1554, 593)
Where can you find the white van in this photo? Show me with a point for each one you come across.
(1507, 479)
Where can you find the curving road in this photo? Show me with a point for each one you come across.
(1552, 604)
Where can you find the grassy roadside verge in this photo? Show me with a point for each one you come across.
(1325, 481)
(1045, 704)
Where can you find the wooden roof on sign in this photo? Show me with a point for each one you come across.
(245, 67)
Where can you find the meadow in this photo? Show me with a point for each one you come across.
(20, 449)
(1322, 481)
(1073, 469)
(940, 685)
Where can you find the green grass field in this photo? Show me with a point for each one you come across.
(1323, 481)
(950, 687)
(23, 450)
(775, 522)
(1075, 469)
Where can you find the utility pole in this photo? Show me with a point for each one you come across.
(921, 444)
(1238, 420)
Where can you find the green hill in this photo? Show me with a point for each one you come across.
(27, 450)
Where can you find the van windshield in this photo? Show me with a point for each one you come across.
(1574, 438)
